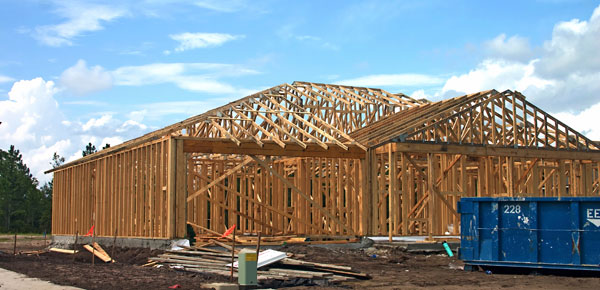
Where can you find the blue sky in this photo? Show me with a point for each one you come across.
(73, 72)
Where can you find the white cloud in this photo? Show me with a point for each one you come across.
(564, 79)
(198, 77)
(586, 121)
(419, 94)
(393, 80)
(5, 79)
(573, 48)
(190, 40)
(514, 48)
(81, 80)
(80, 18)
(33, 122)
(496, 74)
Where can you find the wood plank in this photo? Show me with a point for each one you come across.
(98, 254)
(269, 148)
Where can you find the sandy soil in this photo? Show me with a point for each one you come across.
(390, 268)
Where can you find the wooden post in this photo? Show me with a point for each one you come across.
(562, 179)
(432, 198)
(232, 254)
(93, 248)
(171, 196)
(15, 246)
(112, 251)
(258, 245)
(75, 245)
(392, 191)
(405, 195)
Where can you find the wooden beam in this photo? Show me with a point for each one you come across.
(269, 148)
(418, 147)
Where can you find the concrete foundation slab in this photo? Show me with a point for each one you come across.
(66, 242)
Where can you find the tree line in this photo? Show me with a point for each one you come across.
(25, 205)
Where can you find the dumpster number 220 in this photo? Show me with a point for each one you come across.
(512, 209)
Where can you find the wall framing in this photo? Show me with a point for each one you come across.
(319, 159)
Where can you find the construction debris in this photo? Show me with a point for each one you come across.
(272, 265)
(247, 240)
(99, 252)
(36, 252)
(64, 251)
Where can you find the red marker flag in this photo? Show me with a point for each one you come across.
(229, 231)
(90, 232)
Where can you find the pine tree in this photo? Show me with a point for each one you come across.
(89, 149)
(46, 191)
(19, 196)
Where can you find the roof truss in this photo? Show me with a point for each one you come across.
(487, 118)
(303, 114)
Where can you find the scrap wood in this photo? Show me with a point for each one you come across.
(289, 261)
(192, 259)
(211, 271)
(196, 266)
(283, 267)
(296, 240)
(29, 253)
(347, 273)
(204, 248)
(57, 250)
(209, 230)
(216, 254)
(152, 263)
(300, 273)
(101, 250)
(177, 261)
(97, 253)
(280, 240)
(337, 269)
(226, 246)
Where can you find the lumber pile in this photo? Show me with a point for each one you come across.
(247, 240)
(289, 266)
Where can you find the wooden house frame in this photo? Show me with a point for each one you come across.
(320, 159)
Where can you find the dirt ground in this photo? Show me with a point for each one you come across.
(24, 242)
(390, 268)
(125, 274)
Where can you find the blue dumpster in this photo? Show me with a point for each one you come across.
(547, 233)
